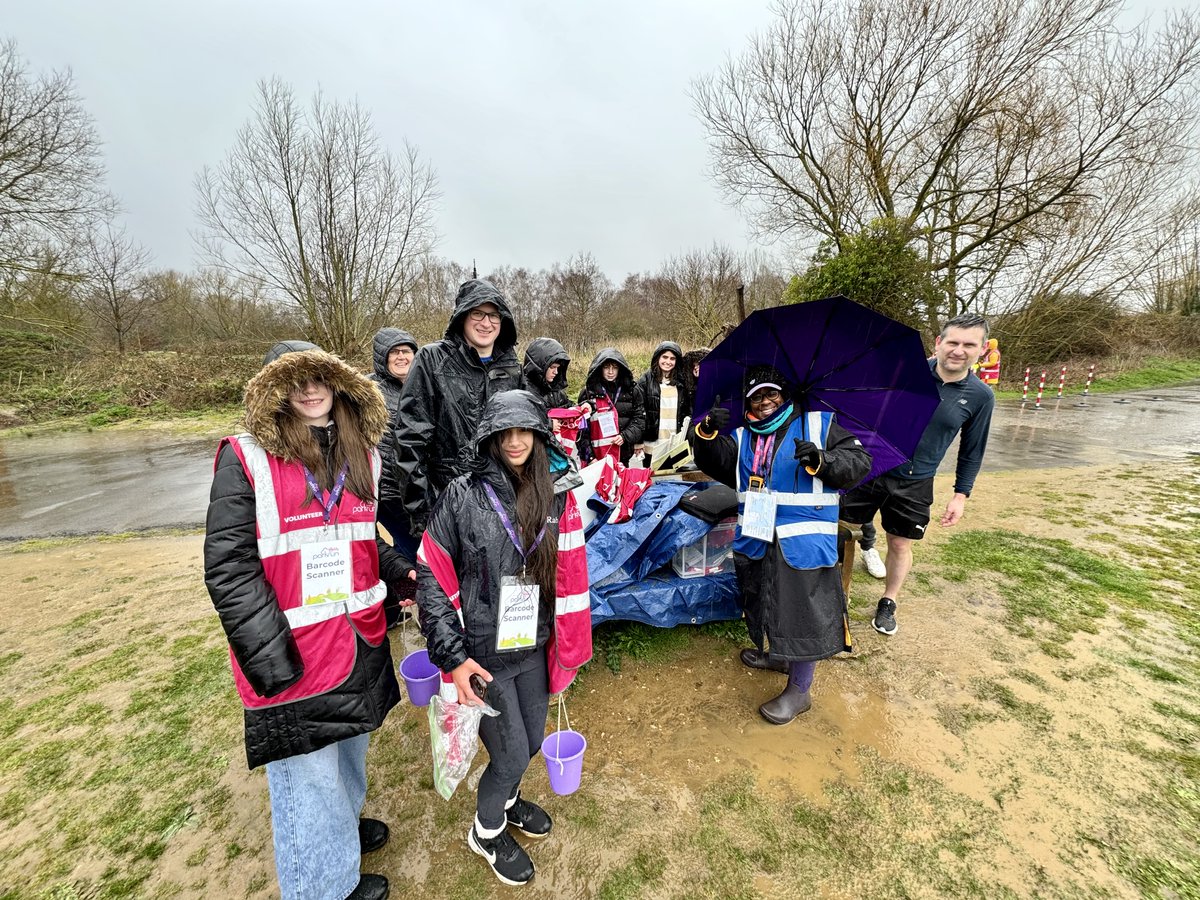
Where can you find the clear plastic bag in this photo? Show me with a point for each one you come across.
(454, 734)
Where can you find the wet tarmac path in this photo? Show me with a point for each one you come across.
(97, 482)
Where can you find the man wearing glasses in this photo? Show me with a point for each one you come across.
(447, 389)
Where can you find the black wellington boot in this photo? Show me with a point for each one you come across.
(786, 706)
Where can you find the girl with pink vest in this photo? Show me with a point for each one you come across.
(293, 566)
(502, 589)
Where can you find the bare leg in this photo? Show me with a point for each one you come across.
(899, 561)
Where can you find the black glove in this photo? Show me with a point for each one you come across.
(717, 418)
(808, 454)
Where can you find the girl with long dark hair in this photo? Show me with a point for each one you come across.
(503, 600)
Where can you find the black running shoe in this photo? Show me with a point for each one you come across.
(508, 860)
(885, 616)
(529, 818)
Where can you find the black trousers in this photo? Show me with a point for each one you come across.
(520, 692)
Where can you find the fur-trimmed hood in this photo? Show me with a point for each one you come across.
(266, 395)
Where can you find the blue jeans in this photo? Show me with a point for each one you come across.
(316, 799)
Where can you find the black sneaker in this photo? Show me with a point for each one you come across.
(529, 818)
(511, 864)
(885, 616)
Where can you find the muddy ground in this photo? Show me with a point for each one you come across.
(969, 755)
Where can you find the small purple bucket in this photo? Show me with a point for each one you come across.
(563, 751)
(421, 677)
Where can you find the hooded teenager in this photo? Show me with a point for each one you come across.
(610, 388)
(297, 575)
(666, 394)
(546, 372)
(393, 351)
(787, 466)
(503, 595)
(446, 392)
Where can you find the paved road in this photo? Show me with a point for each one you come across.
(116, 481)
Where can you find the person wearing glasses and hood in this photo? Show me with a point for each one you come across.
(447, 390)
(787, 465)
(504, 606)
(298, 574)
(546, 364)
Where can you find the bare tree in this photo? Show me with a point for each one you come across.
(308, 204)
(116, 293)
(51, 174)
(699, 291)
(1004, 132)
(577, 294)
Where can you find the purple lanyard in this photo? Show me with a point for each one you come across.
(762, 457)
(611, 399)
(508, 525)
(335, 495)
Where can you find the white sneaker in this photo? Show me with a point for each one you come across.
(873, 563)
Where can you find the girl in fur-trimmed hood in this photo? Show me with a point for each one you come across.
(298, 577)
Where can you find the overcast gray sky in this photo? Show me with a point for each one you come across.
(554, 126)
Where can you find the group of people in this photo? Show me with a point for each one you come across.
(452, 448)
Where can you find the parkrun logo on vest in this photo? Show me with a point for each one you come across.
(301, 518)
(366, 507)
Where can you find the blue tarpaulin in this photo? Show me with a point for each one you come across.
(630, 567)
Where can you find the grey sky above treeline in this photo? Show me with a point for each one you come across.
(555, 127)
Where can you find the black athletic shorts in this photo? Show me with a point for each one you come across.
(904, 504)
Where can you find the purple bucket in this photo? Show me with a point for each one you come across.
(421, 677)
(563, 751)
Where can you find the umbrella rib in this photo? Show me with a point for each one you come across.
(871, 348)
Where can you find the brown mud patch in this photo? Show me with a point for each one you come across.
(980, 764)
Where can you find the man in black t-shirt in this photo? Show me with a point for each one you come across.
(904, 495)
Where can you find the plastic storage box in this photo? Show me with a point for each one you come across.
(711, 555)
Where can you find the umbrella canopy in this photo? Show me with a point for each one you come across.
(840, 357)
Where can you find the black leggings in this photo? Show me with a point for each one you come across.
(521, 694)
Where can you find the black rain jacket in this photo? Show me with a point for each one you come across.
(443, 400)
(466, 527)
(386, 340)
(652, 390)
(631, 408)
(540, 355)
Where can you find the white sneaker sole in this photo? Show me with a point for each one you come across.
(490, 860)
(883, 630)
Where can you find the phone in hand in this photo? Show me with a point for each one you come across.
(479, 686)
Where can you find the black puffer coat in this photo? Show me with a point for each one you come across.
(540, 355)
(625, 395)
(651, 386)
(386, 340)
(465, 526)
(257, 630)
(443, 401)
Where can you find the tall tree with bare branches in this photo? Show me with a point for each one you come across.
(1010, 136)
(116, 293)
(51, 173)
(308, 204)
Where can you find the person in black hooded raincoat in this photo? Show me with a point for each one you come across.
(516, 495)
(791, 584)
(623, 393)
(666, 369)
(546, 372)
(447, 389)
(393, 351)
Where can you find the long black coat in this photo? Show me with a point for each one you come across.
(631, 408)
(466, 528)
(651, 387)
(540, 355)
(257, 630)
(443, 401)
(801, 613)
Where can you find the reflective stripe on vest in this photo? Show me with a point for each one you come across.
(806, 512)
(273, 542)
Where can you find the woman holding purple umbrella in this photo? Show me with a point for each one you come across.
(787, 465)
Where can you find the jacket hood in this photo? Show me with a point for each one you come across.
(476, 293)
(287, 347)
(521, 409)
(266, 395)
(663, 348)
(540, 355)
(386, 340)
(610, 354)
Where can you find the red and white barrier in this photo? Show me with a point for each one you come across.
(1091, 375)
(1025, 391)
(1062, 380)
(1041, 389)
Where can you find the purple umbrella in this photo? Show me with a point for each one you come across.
(869, 370)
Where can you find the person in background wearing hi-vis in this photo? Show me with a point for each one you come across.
(989, 364)
(904, 495)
